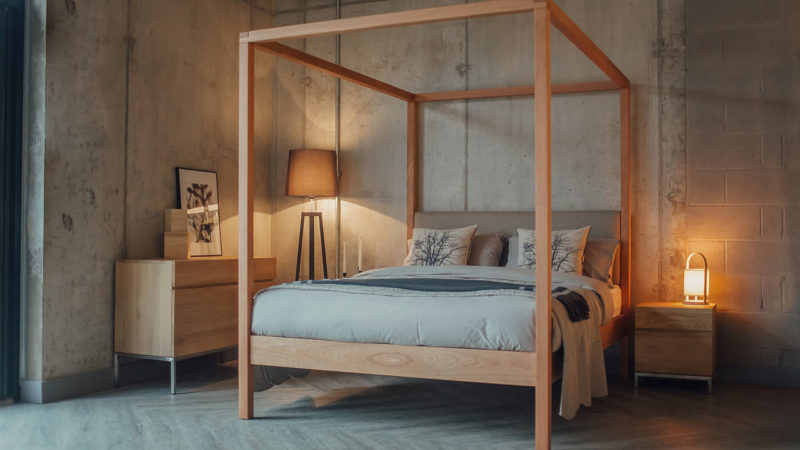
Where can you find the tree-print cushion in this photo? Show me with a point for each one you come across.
(440, 247)
(567, 251)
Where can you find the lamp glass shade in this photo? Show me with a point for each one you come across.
(695, 283)
(311, 173)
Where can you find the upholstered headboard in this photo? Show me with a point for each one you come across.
(605, 224)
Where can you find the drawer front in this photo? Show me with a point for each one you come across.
(206, 318)
(664, 318)
(210, 272)
(675, 352)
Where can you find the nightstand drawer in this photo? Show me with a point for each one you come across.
(209, 272)
(675, 352)
(205, 318)
(668, 316)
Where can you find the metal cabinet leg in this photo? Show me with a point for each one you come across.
(116, 370)
(172, 363)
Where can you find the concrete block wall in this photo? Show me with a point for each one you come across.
(743, 107)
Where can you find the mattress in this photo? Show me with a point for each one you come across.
(499, 319)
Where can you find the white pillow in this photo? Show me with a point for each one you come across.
(568, 247)
(440, 247)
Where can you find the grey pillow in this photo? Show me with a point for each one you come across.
(598, 258)
(513, 252)
(486, 250)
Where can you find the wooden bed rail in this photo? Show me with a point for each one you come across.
(571, 31)
(543, 204)
(516, 91)
(288, 53)
(246, 263)
(393, 19)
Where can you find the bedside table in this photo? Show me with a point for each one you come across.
(673, 340)
(169, 310)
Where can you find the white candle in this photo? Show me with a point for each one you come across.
(359, 254)
(344, 257)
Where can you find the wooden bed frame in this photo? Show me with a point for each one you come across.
(484, 366)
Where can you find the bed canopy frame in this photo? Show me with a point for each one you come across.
(486, 366)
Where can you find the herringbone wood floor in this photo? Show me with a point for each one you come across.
(345, 411)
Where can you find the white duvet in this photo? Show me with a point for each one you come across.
(489, 319)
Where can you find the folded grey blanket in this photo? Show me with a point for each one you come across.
(574, 302)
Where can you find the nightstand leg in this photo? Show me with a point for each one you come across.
(636, 381)
(116, 370)
(172, 363)
(709, 385)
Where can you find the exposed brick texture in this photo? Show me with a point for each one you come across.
(743, 160)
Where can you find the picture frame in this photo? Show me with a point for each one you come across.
(198, 194)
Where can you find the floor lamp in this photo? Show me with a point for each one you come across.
(312, 174)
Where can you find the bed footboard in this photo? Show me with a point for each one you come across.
(436, 363)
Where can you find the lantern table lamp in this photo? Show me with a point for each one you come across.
(695, 282)
(311, 173)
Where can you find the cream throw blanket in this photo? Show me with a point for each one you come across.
(584, 374)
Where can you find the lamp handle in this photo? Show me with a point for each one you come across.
(705, 261)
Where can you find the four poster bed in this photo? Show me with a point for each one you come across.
(525, 368)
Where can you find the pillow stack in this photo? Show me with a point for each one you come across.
(571, 251)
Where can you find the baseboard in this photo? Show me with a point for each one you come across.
(131, 371)
(73, 385)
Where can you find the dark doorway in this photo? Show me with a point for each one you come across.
(12, 19)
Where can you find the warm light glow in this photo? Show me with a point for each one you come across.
(696, 282)
(311, 173)
(693, 282)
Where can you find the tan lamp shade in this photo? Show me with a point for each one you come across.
(312, 173)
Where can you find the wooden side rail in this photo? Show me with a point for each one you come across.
(393, 19)
(291, 54)
(516, 91)
(436, 363)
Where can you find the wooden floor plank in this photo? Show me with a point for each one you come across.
(346, 411)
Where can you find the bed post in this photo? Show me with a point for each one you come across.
(412, 164)
(625, 227)
(245, 227)
(543, 207)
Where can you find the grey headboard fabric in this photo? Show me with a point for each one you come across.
(605, 224)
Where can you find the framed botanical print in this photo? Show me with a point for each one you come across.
(197, 192)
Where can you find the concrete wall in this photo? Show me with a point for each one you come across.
(83, 182)
(183, 112)
(133, 89)
(744, 162)
(476, 155)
